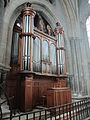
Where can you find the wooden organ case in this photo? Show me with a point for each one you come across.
(39, 77)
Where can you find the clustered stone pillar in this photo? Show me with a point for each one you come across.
(0, 83)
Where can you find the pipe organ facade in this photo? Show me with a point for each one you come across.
(39, 63)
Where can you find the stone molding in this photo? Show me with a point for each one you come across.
(74, 38)
(4, 68)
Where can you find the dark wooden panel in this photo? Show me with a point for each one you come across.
(13, 86)
(26, 94)
(40, 86)
(58, 96)
(11, 90)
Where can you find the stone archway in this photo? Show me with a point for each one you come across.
(11, 14)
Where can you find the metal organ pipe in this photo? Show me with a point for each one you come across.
(60, 49)
(27, 36)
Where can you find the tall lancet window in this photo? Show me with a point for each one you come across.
(88, 29)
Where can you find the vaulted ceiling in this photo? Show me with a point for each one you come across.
(5, 2)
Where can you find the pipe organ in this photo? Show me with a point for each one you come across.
(41, 69)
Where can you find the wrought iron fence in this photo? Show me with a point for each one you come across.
(74, 111)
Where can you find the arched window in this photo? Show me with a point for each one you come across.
(36, 54)
(88, 29)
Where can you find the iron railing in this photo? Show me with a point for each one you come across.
(74, 111)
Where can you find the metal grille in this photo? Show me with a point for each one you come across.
(74, 111)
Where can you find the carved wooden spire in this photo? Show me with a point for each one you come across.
(58, 28)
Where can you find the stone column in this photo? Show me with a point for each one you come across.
(85, 52)
(80, 66)
(1, 25)
(0, 82)
(75, 81)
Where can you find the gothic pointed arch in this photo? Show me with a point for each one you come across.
(12, 16)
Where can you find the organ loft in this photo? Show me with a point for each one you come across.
(38, 63)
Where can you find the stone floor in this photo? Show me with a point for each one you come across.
(5, 108)
(87, 118)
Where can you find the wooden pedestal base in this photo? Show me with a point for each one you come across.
(31, 89)
(26, 93)
(58, 96)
